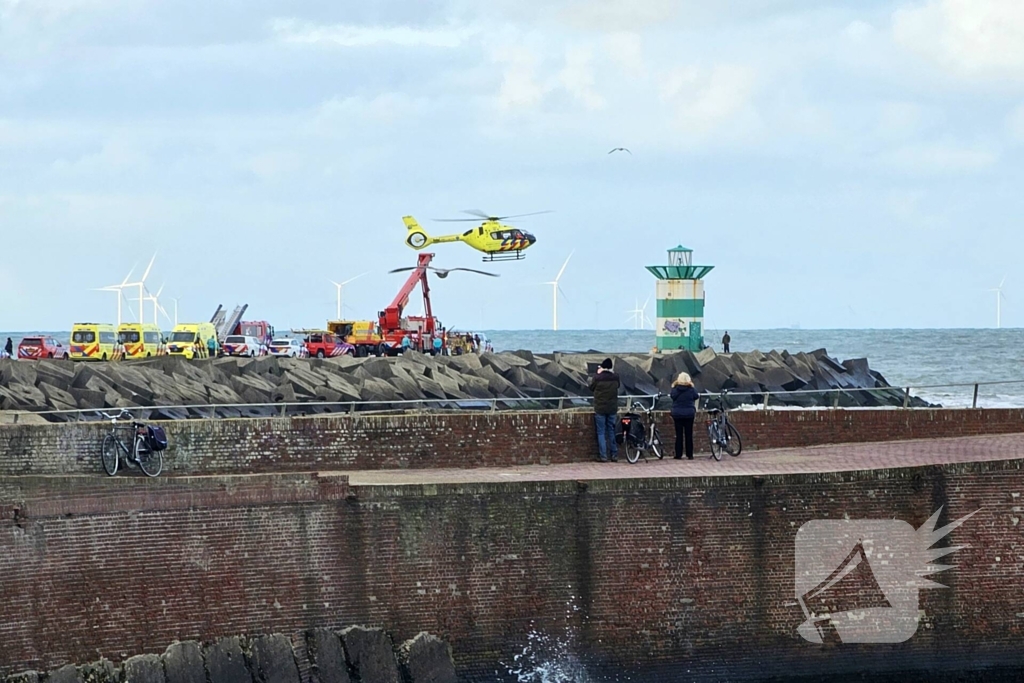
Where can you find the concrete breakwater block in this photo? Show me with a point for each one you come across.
(427, 659)
(272, 660)
(144, 669)
(326, 656)
(371, 655)
(23, 677)
(183, 663)
(65, 674)
(56, 385)
(225, 662)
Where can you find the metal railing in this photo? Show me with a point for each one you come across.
(831, 398)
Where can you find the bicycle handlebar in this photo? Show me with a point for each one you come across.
(123, 414)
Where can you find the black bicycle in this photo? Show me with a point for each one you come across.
(131, 441)
(721, 433)
(640, 433)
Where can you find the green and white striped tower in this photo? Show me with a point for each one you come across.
(680, 294)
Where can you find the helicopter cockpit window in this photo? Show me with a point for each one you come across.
(468, 233)
(496, 236)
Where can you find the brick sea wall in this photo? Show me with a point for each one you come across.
(657, 576)
(455, 439)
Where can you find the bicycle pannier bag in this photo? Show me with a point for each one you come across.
(157, 438)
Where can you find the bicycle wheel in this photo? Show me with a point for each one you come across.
(632, 451)
(151, 462)
(656, 445)
(109, 455)
(716, 446)
(733, 443)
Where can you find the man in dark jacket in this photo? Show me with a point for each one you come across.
(605, 385)
(726, 340)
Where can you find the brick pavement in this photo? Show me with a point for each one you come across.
(834, 458)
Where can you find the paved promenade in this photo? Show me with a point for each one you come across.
(837, 458)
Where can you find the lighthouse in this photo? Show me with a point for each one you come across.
(680, 295)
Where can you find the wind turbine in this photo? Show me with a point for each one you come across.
(157, 308)
(340, 286)
(999, 295)
(175, 300)
(643, 314)
(141, 284)
(120, 291)
(634, 315)
(555, 289)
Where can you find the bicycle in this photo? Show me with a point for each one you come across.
(150, 461)
(646, 438)
(721, 433)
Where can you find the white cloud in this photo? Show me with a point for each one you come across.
(519, 85)
(707, 99)
(578, 77)
(626, 50)
(351, 35)
(966, 37)
(619, 15)
(939, 158)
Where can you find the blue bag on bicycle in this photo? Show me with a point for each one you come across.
(157, 438)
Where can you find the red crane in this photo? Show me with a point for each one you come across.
(390, 319)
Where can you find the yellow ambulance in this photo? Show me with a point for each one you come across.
(184, 336)
(140, 340)
(92, 341)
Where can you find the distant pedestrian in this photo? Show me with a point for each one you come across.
(476, 343)
(725, 342)
(437, 344)
(211, 345)
(684, 409)
(406, 344)
(605, 385)
(9, 348)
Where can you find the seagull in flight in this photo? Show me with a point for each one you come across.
(620, 149)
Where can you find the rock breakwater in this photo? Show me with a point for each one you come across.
(226, 387)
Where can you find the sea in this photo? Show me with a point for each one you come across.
(939, 365)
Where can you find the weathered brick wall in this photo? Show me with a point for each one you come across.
(455, 439)
(654, 576)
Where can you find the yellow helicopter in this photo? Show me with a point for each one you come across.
(498, 242)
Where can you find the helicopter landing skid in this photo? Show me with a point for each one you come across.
(504, 256)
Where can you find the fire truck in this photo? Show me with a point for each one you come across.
(393, 327)
(363, 335)
(324, 344)
(227, 325)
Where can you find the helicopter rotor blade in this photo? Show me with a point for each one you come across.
(456, 220)
(476, 212)
(522, 215)
(402, 270)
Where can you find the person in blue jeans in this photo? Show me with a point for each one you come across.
(684, 409)
(605, 385)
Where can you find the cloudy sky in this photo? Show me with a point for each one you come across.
(841, 164)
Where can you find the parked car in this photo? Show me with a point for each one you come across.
(34, 348)
(292, 348)
(327, 345)
(241, 345)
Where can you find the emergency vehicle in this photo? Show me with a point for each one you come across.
(363, 335)
(143, 340)
(184, 337)
(92, 341)
(241, 345)
(36, 348)
(323, 344)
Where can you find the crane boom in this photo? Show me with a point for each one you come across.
(391, 317)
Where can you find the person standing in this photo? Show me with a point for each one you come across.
(406, 344)
(684, 409)
(725, 342)
(605, 385)
(9, 348)
(437, 345)
(211, 345)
